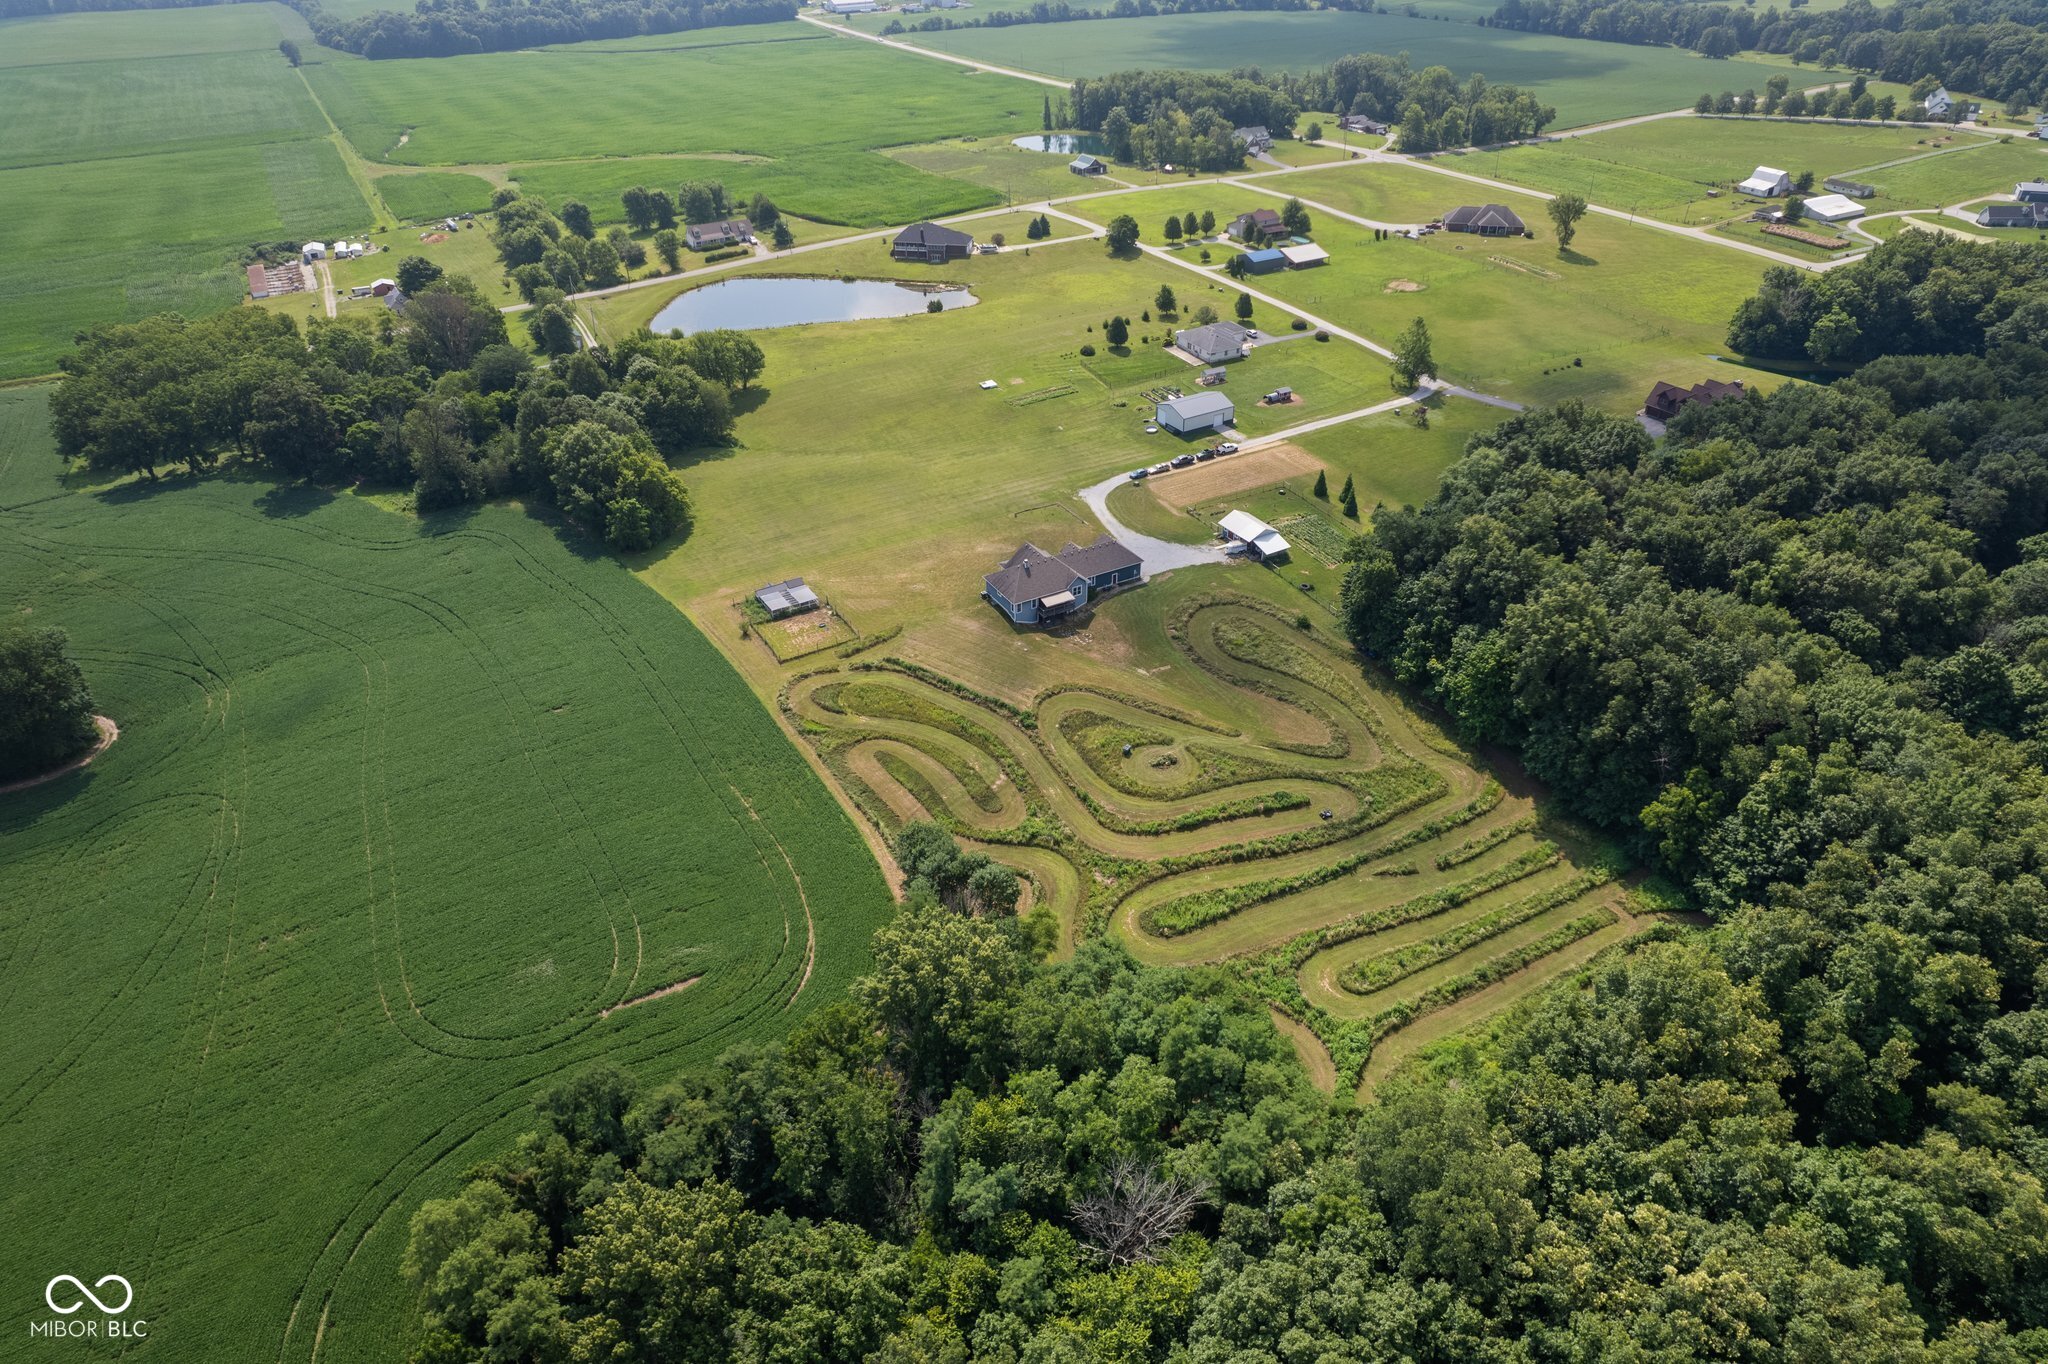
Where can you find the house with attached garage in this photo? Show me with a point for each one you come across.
(2031, 191)
(1196, 412)
(1255, 138)
(932, 244)
(1359, 123)
(1260, 222)
(706, 236)
(1213, 344)
(1766, 182)
(1033, 587)
(2013, 215)
(1488, 220)
(1666, 399)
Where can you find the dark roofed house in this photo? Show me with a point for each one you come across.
(1359, 123)
(1088, 165)
(705, 236)
(1246, 226)
(788, 598)
(1036, 588)
(1488, 220)
(1255, 138)
(1665, 400)
(932, 244)
(2031, 191)
(2013, 215)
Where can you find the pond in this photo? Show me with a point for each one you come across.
(1064, 144)
(773, 301)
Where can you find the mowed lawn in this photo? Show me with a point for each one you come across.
(833, 102)
(1587, 81)
(875, 464)
(1664, 169)
(1509, 316)
(398, 810)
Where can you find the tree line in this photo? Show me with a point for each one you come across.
(451, 28)
(1796, 656)
(1060, 12)
(434, 398)
(982, 1157)
(1995, 48)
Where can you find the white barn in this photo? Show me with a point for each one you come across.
(1197, 412)
(1767, 182)
(1833, 208)
(1260, 540)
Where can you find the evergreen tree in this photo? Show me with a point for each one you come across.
(1322, 488)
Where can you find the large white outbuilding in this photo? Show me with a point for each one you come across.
(1197, 412)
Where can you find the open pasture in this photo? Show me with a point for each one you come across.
(425, 196)
(1509, 315)
(1587, 81)
(1664, 169)
(1310, 833)
(835, 101)
(406, 821)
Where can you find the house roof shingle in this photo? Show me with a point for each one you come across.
(931, 234)
(1484, 215)
(1031, 574)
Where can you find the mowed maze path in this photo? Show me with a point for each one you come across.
(1334, 852)
(401, 815)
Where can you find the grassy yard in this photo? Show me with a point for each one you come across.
(425, 196)
(1587, 81)
(1664, 169)
(1511, 316)
(907, 479)
(311, 953)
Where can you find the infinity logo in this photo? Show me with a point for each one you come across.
(50, 1295)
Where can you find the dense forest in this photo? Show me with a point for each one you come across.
(432, 397)
(1994, 48)
(1796, 654)
(1191, 113)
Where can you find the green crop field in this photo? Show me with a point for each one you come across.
(835, 102)
(149, 175)
(1509, 316)
(1588, 81)
(68, 38)
(400, 816)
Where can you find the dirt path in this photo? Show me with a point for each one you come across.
(663, 993)
(109, 731)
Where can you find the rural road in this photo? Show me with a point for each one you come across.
(844, 32)
(1163, 556)
(1155, 555)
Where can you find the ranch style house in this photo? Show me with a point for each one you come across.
(1036, 588)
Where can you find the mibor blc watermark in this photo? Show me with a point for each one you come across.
(94, 1313)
